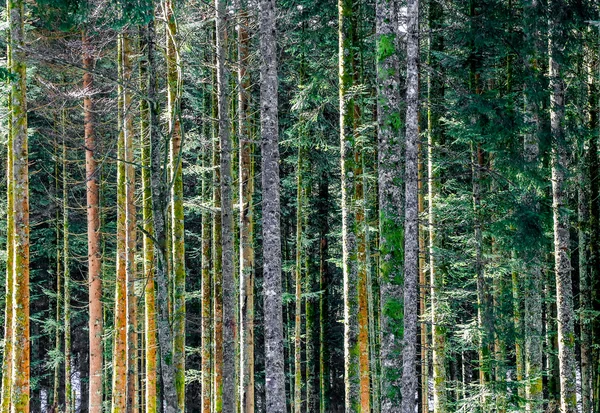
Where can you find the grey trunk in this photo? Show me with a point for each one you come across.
(273, 320)
(411, 235)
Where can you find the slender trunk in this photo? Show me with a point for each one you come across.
(323, 287)
(69, 402)
(423, 287)
(59, 288)
(411, 239)
(226, 214)
(130, 230)
(274, 371)
(298, 285)
(349, 266)
(174, 79)
(5, 403)
(20, 343)
(246, 223)
(160, 196)
(95, 325)
(119, 384)
(531, 326)
(564, 292)
(435, 95)
(206, 287)
(150, 344)
(217, 257)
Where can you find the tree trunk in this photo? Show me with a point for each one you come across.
(151, 402)
(6, 401)
(119, 384)
(158, 182)
(206, 288)
(274, 371)
(564, 292)
(69, 402)
(20, 345)
(323, 287)
(226, 214)
(411, 238)
(217, 257)
(298, 285)
(130, 230)
(174, 79)
(96, 329)
(349, 266)
(246, 223)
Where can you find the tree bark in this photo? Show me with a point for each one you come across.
(96, 328)
(150, 344)
(119, 383)
(226, 213)
(564, 292)
(274, 371)
(69, 402)
(411, 238)
(20, 345)
(158, 182)
(246, 220)
(174, 80)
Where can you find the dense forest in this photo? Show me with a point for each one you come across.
(223, 206)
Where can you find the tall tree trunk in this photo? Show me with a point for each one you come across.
(226, 214)
(160, 196)
(298, 284)
(174, 79)
(69, 402)
(349, 266)
(206, 288)
(217, 257)
(95, 325)
(531, 326)
(59, 288)
(435, 95)
(119, 384)
(585, 246)
(564, 292)
(6, 395)
(150, 344)
(246, 223)
(130, 229)
(274, 371)
(411, 238)
(20, 345)
(323, 287)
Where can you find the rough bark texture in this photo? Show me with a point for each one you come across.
(435, 95)
(5, 404)
(562, 270)
(206, 288)
(150, 344)
(411, 238)
(130, 230)
(246, 220)
(95, 324)
(174, 80)
(226, 214)
(158, 181)
(349, 265)
(274, 370)
(69, 402)
(297, 403)
(20, 346)
(119, 382)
